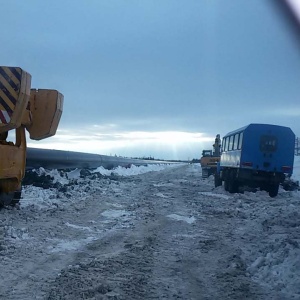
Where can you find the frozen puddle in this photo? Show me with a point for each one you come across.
(161, 195)
(163, 184)
(79, 227)
(114, 213)
(202, 234)
(71, 245)
(189, 220)
(210, 194)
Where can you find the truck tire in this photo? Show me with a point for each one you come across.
(273, 190)
(226, 184)
(17, 197)
(12, 198)
(218, 180)
(6, 198)
(233, 186)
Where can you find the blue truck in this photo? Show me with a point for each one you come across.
(257, 155)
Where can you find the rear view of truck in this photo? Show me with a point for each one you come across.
(257, 155)
(210, 159)
(37, 111)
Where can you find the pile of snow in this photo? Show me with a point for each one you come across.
(45, 188)
(133, 170)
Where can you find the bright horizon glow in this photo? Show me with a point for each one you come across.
(161, 144)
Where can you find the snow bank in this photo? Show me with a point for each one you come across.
(133, 170)
(52, 187)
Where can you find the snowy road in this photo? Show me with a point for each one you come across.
(159, 235)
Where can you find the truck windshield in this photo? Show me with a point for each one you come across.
(206, 153)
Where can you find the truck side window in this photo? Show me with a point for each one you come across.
(268, 143)
(230, 143)
(240, 141)
(236, 142)
(224, 144)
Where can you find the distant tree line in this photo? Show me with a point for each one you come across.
(145, 158)
(195, 160)
(158, 159)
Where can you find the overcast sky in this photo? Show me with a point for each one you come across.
(157, 78)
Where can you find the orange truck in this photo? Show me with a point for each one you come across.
(210, 159)
(22, 108)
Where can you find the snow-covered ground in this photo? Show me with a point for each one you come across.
(194, 239)
(33, 195)
(296, 171)
(41, 197)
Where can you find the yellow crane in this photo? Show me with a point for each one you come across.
(21, 108)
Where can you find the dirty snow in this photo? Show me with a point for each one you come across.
(149, 233)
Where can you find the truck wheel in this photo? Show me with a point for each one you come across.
(226, 185)
(218, 180)
(12, 198)
(6, 198)
(273, 190)
(17, 197)
(233, 186)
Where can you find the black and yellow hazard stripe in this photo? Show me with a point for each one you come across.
(10, 82)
